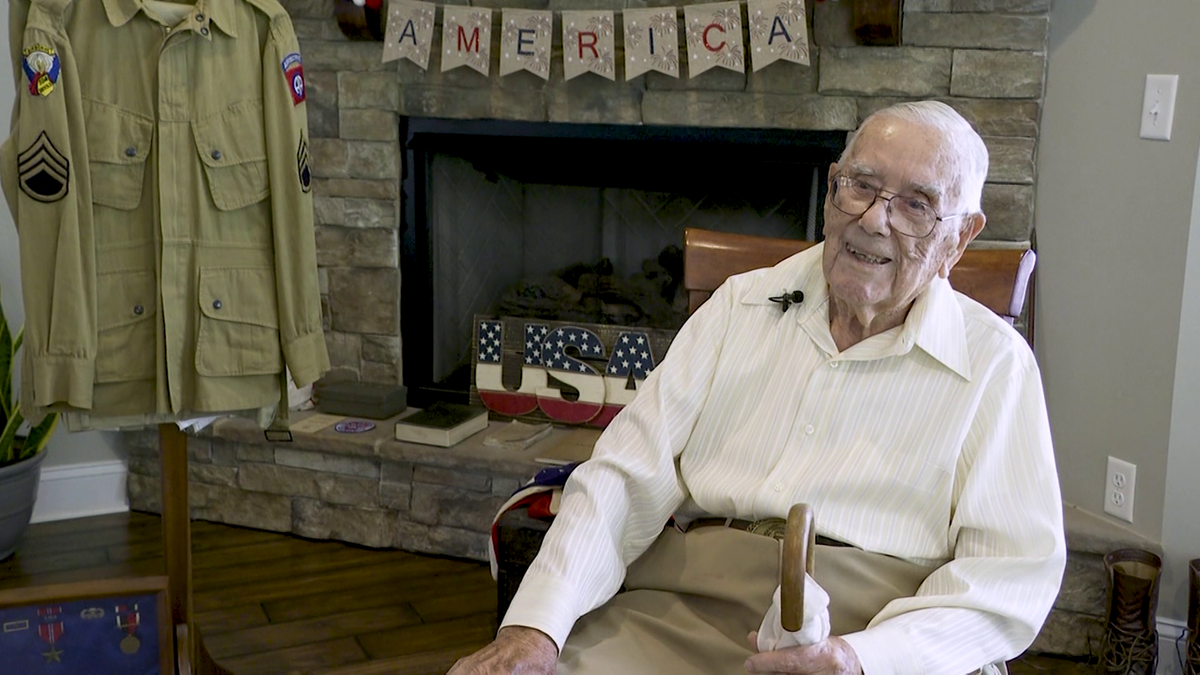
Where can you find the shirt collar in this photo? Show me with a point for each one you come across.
(935, 323)
(220, 11)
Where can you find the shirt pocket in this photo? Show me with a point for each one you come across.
(126, 349)
(233, 150)
(239, 323)
(118, 145)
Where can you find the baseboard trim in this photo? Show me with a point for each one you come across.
(81, 490)
(1169, 655)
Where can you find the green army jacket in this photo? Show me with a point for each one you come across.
(158, 174)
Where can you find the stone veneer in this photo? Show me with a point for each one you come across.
(360, 488)
(987, 58)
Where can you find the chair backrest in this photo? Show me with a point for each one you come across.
(996, 278)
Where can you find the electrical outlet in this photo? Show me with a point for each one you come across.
(1118, 488)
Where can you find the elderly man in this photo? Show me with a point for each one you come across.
(909, 416)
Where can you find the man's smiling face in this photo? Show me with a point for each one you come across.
(870, 268)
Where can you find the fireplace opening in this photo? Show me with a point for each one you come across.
(577, 222)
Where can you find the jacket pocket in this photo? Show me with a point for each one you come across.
(126, 349)
(118, 145)
(239, 323)
(233, 149)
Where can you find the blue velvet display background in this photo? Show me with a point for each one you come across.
(86, 637)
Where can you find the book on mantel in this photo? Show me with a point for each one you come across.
(442, 424)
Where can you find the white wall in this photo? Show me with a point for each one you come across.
(1118, 336)
(64, 448)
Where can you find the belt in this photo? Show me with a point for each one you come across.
(768, 527)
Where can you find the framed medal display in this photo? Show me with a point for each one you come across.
(109, 627)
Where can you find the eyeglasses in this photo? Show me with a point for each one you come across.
(907, 214)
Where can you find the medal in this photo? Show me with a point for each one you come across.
(127, 620)
(130, 644)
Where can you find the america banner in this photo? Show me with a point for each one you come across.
(778, 31)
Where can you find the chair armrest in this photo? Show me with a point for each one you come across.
(518, 538)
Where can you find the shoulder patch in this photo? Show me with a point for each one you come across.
(44, 172)
(293, 72)
(42, 67)
(302, 170)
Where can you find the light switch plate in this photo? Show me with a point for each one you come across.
(1158, 106)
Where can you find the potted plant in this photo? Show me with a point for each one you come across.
(20, 449)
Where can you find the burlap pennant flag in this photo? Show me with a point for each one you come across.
(651, 41)
(409, 32)
(714, 37)
(466, 38)
(777, 31)
(589, 44)
(525, 42)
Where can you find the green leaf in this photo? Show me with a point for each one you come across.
(39, 436)
(8, 439)
(7, 356)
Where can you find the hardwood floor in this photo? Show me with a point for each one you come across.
(273, 604)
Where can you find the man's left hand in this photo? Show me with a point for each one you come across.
(833, 656)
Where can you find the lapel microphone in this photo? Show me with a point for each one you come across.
(788, 299)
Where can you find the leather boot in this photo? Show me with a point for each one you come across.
(1130, 644)
(1191, 664)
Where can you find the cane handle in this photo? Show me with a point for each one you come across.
(799, 547)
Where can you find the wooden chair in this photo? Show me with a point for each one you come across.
(997, 278)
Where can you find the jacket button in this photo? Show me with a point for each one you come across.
(217, 304)
(138, 309)
(199, 17)
(131, 151)
(216, 154)
(204, 31)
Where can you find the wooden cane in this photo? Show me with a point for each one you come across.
(799, 547)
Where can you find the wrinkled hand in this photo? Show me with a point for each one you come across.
(517, 650)
(833, 656)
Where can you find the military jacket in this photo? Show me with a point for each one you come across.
(158, 174)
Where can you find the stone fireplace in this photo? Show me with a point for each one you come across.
(986, 58)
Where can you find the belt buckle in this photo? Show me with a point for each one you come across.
(775, 528)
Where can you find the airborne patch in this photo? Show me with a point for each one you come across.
(42, 67)
(44, 171)
(293, 72)
(302, 170)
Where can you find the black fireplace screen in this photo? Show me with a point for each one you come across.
(575, 222)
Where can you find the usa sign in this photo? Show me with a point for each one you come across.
(570, 373)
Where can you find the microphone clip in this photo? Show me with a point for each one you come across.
(787, 299)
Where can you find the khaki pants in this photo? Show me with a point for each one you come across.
(692, 598)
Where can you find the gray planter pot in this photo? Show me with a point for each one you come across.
(18, 492)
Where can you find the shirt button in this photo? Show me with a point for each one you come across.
(216, 154)
(217, 304)
(778, 487)
(204, 31)
(808, 428)
(131, 151)
(138, 309)
(833, 364)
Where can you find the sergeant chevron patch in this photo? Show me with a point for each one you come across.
(302, 170)
(44, 171)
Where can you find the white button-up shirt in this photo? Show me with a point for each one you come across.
(928, 442)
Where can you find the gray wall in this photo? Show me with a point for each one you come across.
(64, 448)
(1113, 217)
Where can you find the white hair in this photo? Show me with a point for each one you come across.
(969, 154)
